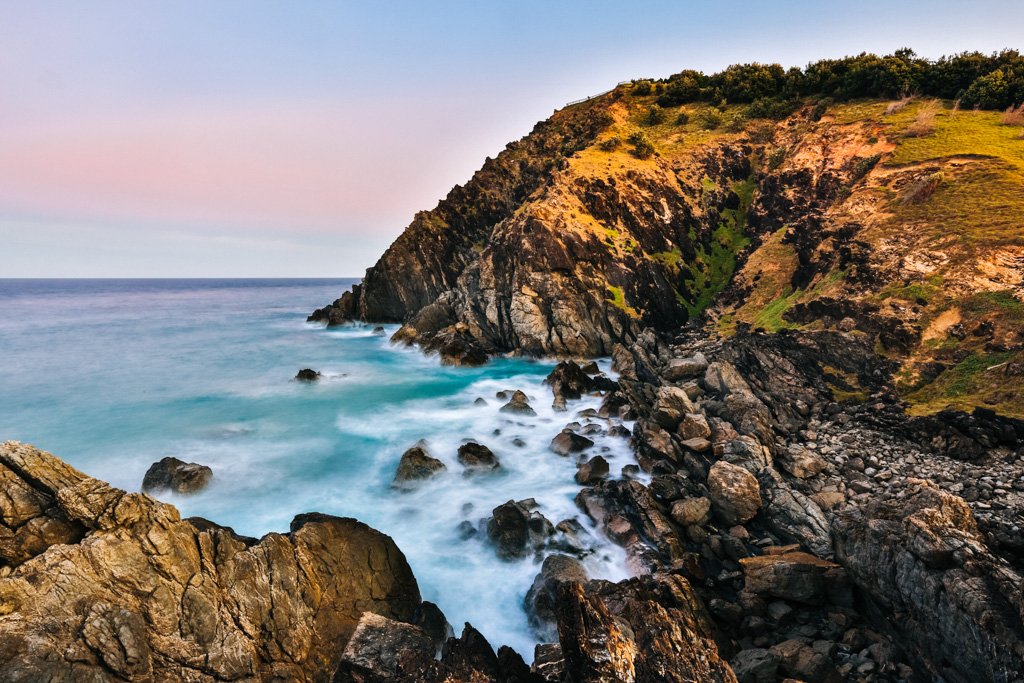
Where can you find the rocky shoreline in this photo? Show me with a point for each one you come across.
(773, 533)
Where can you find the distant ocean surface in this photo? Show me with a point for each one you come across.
(112, 375)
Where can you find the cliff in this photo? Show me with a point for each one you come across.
(897, 220)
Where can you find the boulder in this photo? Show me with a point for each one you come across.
(810, 662)
(567, 442)
(694, 426)
(134, 592)
(592, 471)
(800, 462)
(517, 531)
(477, 457)
(691, 511)
(671, 405)
(518, 405)
(379, 331)
(415, 466)
(171, 474)
(307, 375)
(734, 492)
(960, 606)
(685, 368)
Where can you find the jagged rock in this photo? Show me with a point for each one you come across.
(171, 474)
(416, 465)
(592, 471)
(516, 531)
(145, 595)
(691, 511)
(549, 663)
(793, 515)
(961, 607)
(477, 457)
(734, 492)
(646, 629)
(671, 405)
(308, 375)
(568, 382)
(796, 576)
(541, 598)
(590, 368)
(518, 404)
(567, 442)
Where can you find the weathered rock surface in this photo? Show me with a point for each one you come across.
(734, 492)
(171, 474)
(923, 558)
(567, 442)
(116, 585)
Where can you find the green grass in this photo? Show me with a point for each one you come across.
(770, 317)
(963, 133)
(618, 299)
(670, 259)
(976, 380)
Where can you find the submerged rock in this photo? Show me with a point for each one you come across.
(171, 474)
(307, 375)
(516, 530)
(379, 331)
(477, 457)
(415, 466)
(517, 404)
(567, 442)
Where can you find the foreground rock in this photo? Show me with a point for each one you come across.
(171, 474)
(117, 586)
(961, 607)
(415, 466)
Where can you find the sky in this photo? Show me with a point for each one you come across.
(252, 138)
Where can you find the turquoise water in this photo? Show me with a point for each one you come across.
(113, 375)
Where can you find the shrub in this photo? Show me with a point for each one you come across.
(924, 123)
(682, 119)
(641, 88)
(642, 145)
(709, 119)
(655, 115)
(771, 108)
(776, 158)
(611, 144)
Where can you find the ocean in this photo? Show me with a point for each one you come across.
(112, 375)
